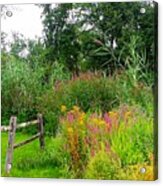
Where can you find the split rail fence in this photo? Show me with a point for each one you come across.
(11, 129)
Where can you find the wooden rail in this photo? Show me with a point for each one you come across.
(11, 136)
(27, 141)
(22, 125)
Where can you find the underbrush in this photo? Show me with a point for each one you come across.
(93, 93)
(111, 145)
(100, 145)
(23, 85)
(20, 87)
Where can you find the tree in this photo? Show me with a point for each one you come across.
(97, 36)
(114, 23)
(60, 35)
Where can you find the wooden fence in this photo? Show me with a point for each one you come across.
(13, 126)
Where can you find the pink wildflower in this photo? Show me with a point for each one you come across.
(70, 117)
(107, 118)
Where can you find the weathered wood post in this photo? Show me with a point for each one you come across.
(10, 147)
(41, 130)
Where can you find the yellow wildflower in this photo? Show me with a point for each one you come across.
(82, 116)
(101, 122)
(70, 130)
(81, 122)
(113, 114)
(63, 108)
(95, 120)
(76, 108)
(127, 115)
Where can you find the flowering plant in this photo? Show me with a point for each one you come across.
(86, 134)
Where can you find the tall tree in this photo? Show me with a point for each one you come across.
(60, 35)
(99, 33)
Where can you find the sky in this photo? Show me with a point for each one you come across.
(25, 20)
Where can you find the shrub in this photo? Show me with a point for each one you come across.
(23, 85)
(20, 88)
(133, 142)
(93, 93)
(133, 172)
(103, 166)
(87, 91)
(134, 94)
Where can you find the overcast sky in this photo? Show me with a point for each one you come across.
(25, 19)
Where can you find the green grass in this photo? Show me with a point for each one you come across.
(31, 161)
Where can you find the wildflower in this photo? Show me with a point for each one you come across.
(76, 108)
(81, 122)
(107, 118)
(70, 117)
(94, 130)
(82, 116)
(70, 130)
(127, 115)
(63, 108)
(101, 122)
(108, 121)
(113, 114)
(95, 120)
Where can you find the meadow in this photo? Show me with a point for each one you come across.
(112, 140)
(98, 100)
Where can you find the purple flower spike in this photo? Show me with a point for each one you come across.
(70, 117)
(107, 118)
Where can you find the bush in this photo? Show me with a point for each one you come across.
(133, 143)
(103, 166)
(23, 85)
(20, 88)
(92, 93)
(88, 92)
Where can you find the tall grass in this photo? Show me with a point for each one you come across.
(20, 88)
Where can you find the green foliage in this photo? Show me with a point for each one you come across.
(23, 84)
(93, 93)
(136, 64)
(90, 94)
(95, 34)
(114, 23)
(60, 36)
(58, 73)
(133, 143)
(103, 166)
(134, 93)
(20, 88)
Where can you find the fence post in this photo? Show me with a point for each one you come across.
(41, 130)
(11, 137)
